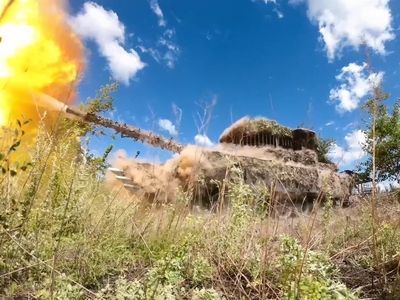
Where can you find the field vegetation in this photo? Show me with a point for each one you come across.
(64, 235)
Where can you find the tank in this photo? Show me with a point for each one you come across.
(256, 152)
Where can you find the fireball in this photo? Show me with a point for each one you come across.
(39, 54)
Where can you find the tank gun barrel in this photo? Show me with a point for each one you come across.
(127, 131)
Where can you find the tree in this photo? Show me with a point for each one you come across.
(386, 137)
(99, 164)
(101, 103)
(72, 130)
(323, 147)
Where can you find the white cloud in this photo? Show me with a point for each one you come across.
(351, 124)
(173, 51)
(155, 7)
(167, 125)
(203, 140)
(170, 56)
(267, 1)
(154, 53)
(353, 151)
(342, 23)
(169, 33)
(329, 123)
(279, 13)
(168, 44)
(95, 23)
(387, 185)
(357, 85)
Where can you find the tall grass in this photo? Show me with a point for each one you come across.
(64, 236)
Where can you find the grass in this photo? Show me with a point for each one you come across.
(64, 236)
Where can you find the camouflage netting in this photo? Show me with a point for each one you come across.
(305, 157)
(292, 180)
(252, 126)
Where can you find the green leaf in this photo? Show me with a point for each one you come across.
(386, 137)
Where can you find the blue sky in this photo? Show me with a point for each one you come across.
(293, 61)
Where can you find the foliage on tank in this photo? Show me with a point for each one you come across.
(253, 126)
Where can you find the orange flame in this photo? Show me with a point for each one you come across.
(39, 53)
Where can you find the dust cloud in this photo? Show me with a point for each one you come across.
(162, 180)
(156, 179)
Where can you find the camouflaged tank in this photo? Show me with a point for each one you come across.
(277, 164)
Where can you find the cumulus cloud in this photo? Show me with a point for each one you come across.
(203, 140)
(103, 27)
(345, 23)
(353, 150)
(155, 7)
(356, 86)
(167, 125)
(329, 123)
